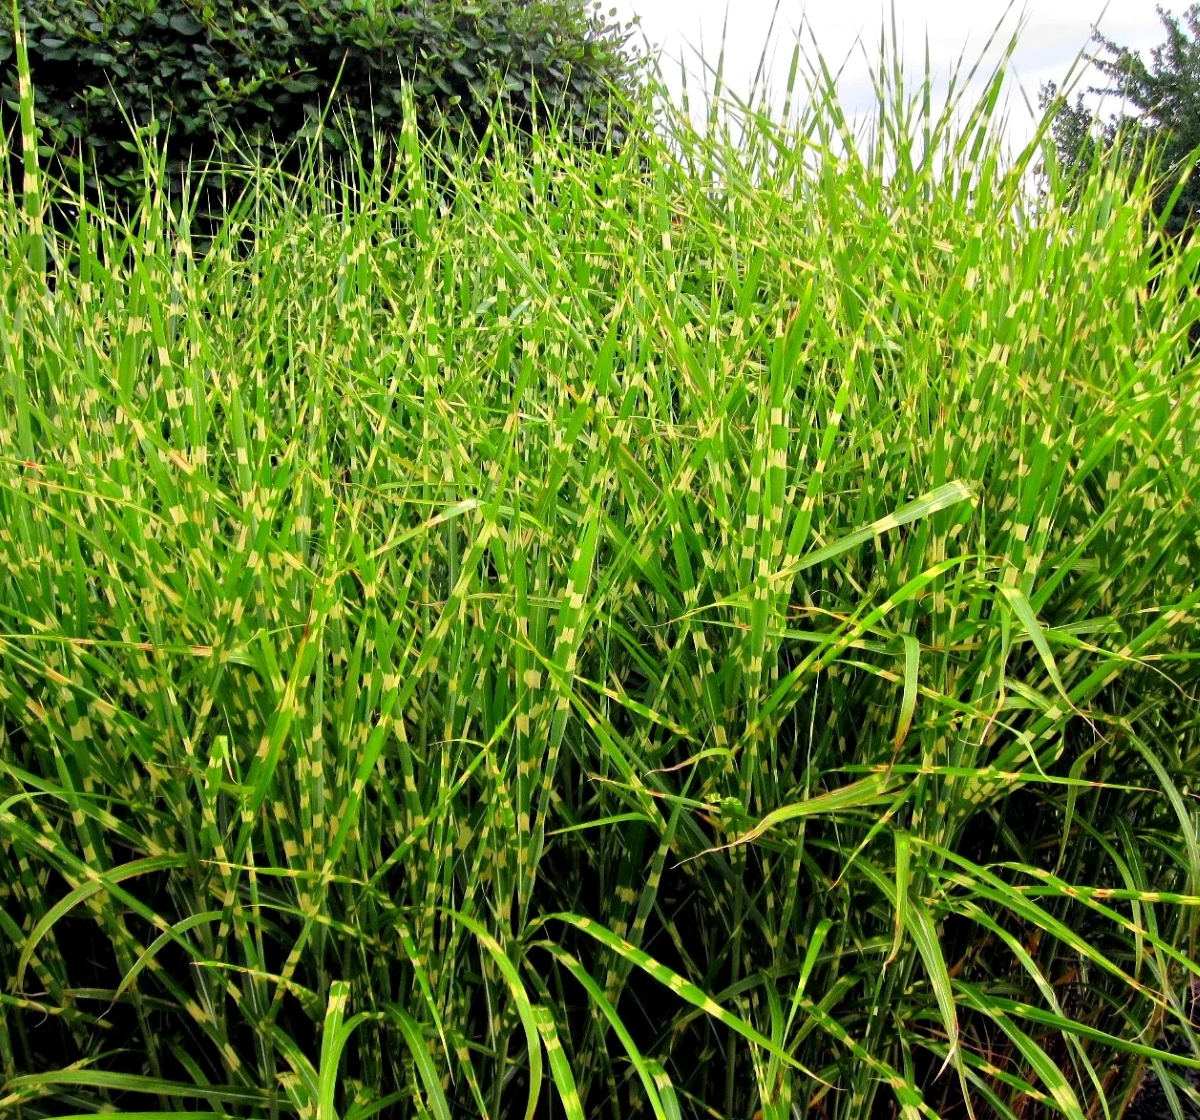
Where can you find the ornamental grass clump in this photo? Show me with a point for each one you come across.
(700, 629)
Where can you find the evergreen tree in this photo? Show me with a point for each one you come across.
(1161, 101)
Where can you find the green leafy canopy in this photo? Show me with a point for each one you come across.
(222, 74)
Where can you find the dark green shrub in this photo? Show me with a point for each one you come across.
(211, 73)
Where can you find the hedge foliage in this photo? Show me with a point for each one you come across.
(222, 72)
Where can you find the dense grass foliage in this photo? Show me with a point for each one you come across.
(704, 630)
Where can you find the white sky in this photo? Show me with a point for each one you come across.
(1055, 31)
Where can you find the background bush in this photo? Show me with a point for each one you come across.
(221, 72)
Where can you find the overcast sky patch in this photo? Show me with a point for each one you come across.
(1055, 31)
